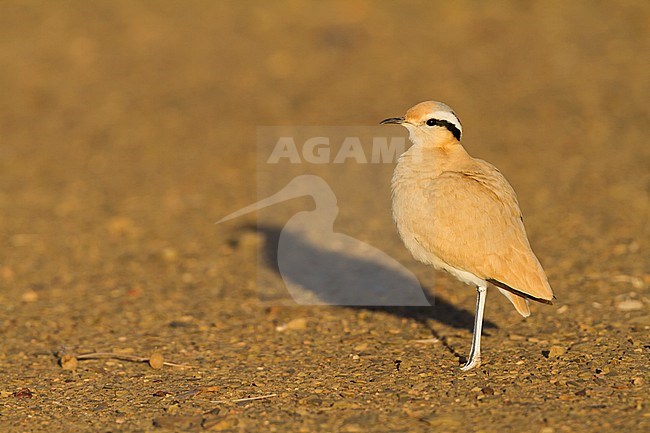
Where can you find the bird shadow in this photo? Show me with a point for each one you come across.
(440, 310)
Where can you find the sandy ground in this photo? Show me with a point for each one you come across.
(128, 128)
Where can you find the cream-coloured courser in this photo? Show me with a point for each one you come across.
(460, 214)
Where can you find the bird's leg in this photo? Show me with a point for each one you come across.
(475, 352)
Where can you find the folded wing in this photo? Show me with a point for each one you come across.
(476, 226)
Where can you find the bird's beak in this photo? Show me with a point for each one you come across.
(397, 120)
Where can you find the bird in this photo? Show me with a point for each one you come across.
(460, 214)
(322, 267)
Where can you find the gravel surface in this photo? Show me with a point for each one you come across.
(128, 128)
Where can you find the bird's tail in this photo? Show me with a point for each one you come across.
(520, 303)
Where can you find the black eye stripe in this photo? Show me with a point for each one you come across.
(446, 124)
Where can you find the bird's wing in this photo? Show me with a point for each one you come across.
(476, 225)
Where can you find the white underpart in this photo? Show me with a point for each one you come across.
(422, 254)
(464, 276)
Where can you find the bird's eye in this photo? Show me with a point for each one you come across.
(432, 122)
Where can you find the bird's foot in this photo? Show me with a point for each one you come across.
(473, 362)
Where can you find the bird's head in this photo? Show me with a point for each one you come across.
(430, 122)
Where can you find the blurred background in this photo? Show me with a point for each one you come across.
(128, 127)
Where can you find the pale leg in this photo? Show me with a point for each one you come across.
(475, 352)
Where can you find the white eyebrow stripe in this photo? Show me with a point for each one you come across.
(449, 117)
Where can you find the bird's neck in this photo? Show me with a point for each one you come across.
(431, 159)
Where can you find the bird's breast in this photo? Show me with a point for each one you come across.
(411, 208)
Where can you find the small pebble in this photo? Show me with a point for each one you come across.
(225, 424)
(173, 409)
(427, 341)
(156, 360)
(630, 305)
(179, 422)
(23, 393)
(69, 362)
(294, 325)
(29, 296)
(169, 254)
(313, 399)
(554, 352)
